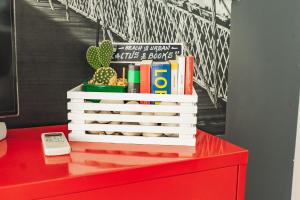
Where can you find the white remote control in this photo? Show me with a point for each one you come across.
(55, 143)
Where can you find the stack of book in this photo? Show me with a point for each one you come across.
(168, 77)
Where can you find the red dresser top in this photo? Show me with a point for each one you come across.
(25, 169)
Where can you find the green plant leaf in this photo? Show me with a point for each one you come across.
(106, 52)
(93, 57)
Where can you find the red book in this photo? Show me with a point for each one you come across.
(189, 75)
(145, 84)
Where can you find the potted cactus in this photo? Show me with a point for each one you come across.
(105, 77)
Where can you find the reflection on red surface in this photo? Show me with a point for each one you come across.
(3, 148)
(108, 156)
(24, 160)
(209, 146)
(117, 156)
(55, 160)
(134, 153)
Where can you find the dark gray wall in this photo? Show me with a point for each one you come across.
(263, 92)
(51, 60)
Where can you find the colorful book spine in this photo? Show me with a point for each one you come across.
(133, 78)
(174, 76)
(145, 75)
(189, 74)
(181, 74)
(161, 78)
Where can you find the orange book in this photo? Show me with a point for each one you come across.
(189, 75)
(145, 84)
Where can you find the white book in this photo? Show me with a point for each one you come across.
(174, 76)
(181, 73)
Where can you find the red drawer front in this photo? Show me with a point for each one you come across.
(217, 184)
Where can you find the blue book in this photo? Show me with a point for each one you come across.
(161, 78)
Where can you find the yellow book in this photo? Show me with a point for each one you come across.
(174, 76)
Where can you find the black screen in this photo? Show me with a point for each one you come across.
(8, 77)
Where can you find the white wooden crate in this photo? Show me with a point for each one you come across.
(184, 123)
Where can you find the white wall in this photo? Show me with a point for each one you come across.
(296, 175)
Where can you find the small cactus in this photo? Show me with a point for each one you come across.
(100, 56)
(92, 56)
(105, 76)
(106, 52)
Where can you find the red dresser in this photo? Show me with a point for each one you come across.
(214, 170)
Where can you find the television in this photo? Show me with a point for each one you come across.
(9, 101)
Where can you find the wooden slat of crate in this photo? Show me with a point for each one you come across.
(185, 130)
(132, 139)
(77, 93)
(133, 118)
